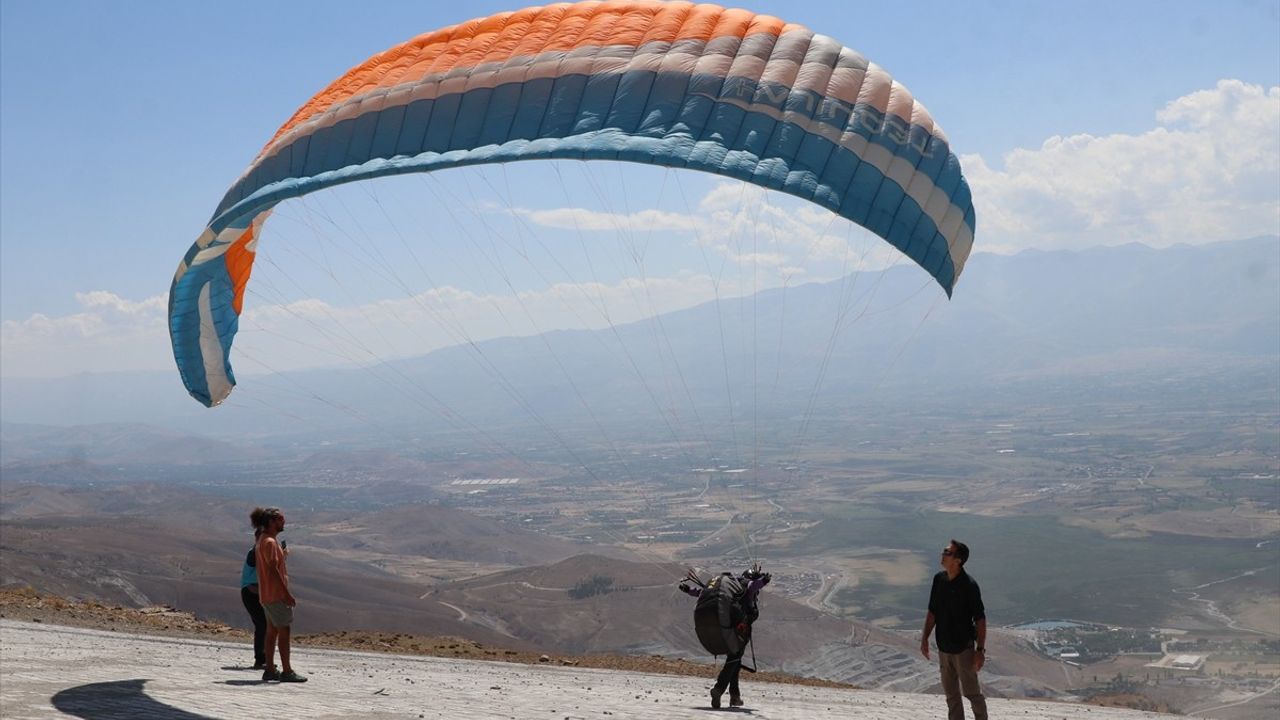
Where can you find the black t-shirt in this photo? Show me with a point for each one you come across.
(957, 607)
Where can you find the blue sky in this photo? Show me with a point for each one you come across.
(121, 125)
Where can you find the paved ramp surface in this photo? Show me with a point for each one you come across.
(58, 672)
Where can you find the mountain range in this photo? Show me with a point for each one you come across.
(1038, 317)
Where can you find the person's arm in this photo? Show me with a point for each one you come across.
(979, 614)
(980, 657)
(686, 589)
(273, 561)
(929, 621)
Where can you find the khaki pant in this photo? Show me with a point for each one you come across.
(957, 675)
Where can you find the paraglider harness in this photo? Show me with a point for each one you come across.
(723, 616)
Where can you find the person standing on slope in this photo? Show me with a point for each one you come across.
(741, 599)
(956, 611)
(273, 590)
(253, 604)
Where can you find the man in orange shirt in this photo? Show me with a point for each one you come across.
(273, 591)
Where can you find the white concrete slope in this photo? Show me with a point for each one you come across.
(58, 672)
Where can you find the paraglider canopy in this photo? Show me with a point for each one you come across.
(725, 91)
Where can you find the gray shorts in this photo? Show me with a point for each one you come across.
(278, 614)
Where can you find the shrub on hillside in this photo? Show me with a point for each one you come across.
(594, 585)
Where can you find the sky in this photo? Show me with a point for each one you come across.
(122, 124)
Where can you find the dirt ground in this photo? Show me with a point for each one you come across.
(26, 604)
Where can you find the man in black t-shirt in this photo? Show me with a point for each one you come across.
(955, 609)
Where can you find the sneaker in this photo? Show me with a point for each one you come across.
(715, 697)
(735, 701)
(271, 674)
(291, 676)
(259, 666)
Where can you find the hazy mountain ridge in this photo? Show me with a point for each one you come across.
(1056, 315)
(108, 443)
(1034, 312)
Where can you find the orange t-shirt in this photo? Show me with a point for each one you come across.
(270, 558)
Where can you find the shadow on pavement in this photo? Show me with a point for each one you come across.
(118, 700)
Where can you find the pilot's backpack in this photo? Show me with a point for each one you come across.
(720, 618)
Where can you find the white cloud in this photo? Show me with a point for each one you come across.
(103, 300)
(743, 225)
(583, 219)
(109, 333)
(727, 196)
(1209, 170)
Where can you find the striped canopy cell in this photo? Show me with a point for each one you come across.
(669, 83)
